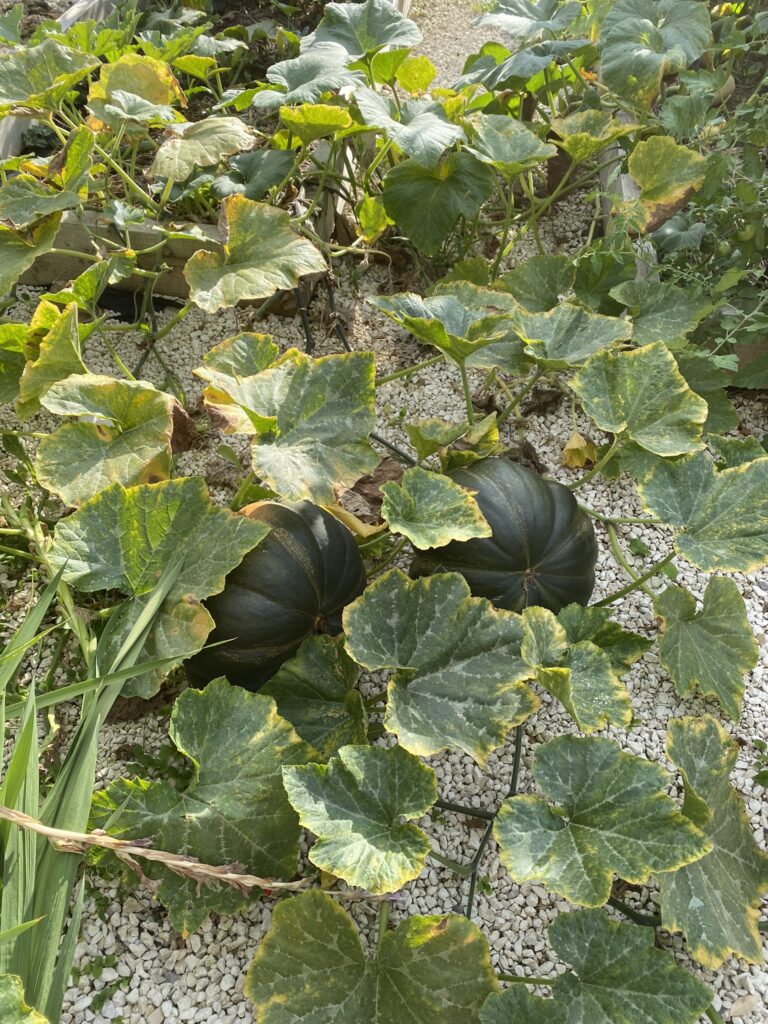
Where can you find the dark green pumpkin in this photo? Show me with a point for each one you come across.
(296, 582)
(543, 549)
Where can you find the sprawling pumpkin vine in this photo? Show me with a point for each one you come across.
(278, 606)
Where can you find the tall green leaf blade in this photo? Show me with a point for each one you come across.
(310, 969)
(710, 651)
(721, 516)
(315, 692)
(354, 806)
(363, 29)
(431, 510)
(714, 902)
(642, 395)
(619, 975)
(124, 436)
(233, 811)
(261, 254)
(611, 816)
(458, 671)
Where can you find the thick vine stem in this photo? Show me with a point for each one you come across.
(469, 812)
(647, 920)
(383, 923)
(636, 583)
(618, 554)
(519, 979)
(507, 411)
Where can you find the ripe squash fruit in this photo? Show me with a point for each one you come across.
(296, 582)
(543, 547)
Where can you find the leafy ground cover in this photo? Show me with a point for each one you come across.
(555, 353)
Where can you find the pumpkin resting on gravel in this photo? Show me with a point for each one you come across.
(543, 548)
(295, 583)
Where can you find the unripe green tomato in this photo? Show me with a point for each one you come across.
(723, 248)
(747, 233)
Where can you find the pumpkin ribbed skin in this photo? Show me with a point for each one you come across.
(543, 549)
(296, 582)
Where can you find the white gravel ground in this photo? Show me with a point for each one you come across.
(157, 976)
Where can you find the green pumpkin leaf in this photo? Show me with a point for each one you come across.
(19, 250)
(431, 510)
(444, 321)
(568, 335)
(644, 40)
(38, 77)
(427, 202)
(721, 413)
(721, 517)
(354, 805)
(416, 74)
(667, 175)
(200, 144)
(428, 436)
(261, 254)
(507, 145)
(312, 121)
(716, 901)
(622, 646)
(421, 128)
(499, 71)
(13, 1009)
(315, 692)
(580, 675)
(642, 395)
(516, 1005)
(234, 810)
(88, 287)
(586, 133)
(58, 355)
(732, 451)
(531, 19)
(10, 24)
(311, 966)
(24, 201)
(305, 79)
(12, 342)
(131, 112)
(541, 282)
(611, 816)
(363, 29)
(124, 538)
(661, 311)
(136, 75)
(125, 436)
(310, 418)
(619, 975)
(458, 671)
(710, 651)
(252, 174)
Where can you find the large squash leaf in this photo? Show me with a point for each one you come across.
(354, 805)
(58, 355)
(710, 651)
(644, 40)
(124, 436)
(363, 29)
(24, 201)
(234, 810)
(123, 539)
(506, 144)
(721, 516)
(668, 175)
(260, 255)
(12, 339)
(515, 1005)
(13, 1009)
(611, 816)
(622, 646)
(642, 395)
(304, 79)
(315, 691)
(586, 133)
(714, 902)
(312, 121)
(541, 282)
(580, 674)
(135, 85)
(618, 974)
(420, 127)
(19, 250)
(569, 334)
(38, 77)
(531, 19)
(310, 966)
(200, 144)
(427, 202)
(661, 311)
(310, 418)
(431, 510)
(458, 670)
